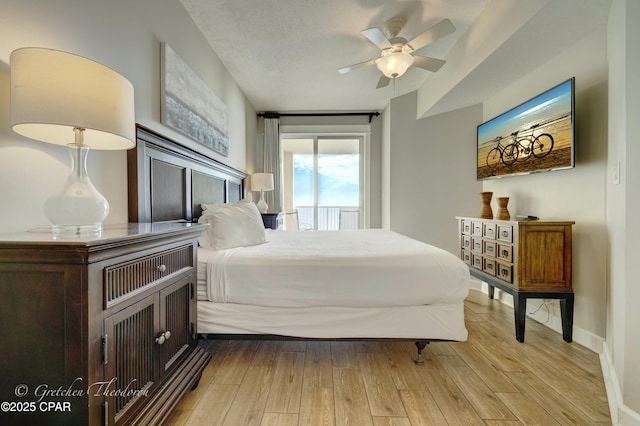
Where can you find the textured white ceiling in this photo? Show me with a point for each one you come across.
(285, 54)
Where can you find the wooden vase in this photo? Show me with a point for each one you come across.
(503, 213)
(486, 212)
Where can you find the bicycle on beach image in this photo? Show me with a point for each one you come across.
(521, 146)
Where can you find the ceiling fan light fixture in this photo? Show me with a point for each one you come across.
(394, 65)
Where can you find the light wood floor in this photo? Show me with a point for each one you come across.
(489, 380)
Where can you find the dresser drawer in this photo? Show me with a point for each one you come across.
(476, 261)
(505, 233)
(505, 272)
(489, 231)
(466, 227)
(489, 248)
(489, 266)
(466, 257)
(505, 252)
(466, 242)
(476, 244)
(124, 280)
(476, 229)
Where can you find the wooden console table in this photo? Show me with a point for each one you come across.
(527, 259)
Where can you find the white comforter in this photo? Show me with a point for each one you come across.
(361, 268)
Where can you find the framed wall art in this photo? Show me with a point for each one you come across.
(189, 106)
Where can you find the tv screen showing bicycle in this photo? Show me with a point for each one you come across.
(535, 136)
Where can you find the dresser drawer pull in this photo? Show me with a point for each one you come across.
(162, 337)
(161, 268)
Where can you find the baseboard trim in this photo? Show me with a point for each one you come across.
(620, 413)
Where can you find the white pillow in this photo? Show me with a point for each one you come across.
(232, 225)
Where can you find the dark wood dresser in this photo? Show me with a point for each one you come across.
(99, 330)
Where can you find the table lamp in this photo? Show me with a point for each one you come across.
(64, 99)
(262, 182)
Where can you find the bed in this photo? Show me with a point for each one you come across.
(252, 282)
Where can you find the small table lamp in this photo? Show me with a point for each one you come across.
(262, 182)
(56, 95)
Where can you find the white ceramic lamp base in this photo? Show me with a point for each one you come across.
(78, 208)
(262, 205)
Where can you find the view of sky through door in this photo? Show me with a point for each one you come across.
(325, 181)
(338, 179)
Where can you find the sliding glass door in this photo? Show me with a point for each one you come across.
(323, 181)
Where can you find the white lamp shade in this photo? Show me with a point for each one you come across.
(53, 92)
(262, 182)
(394, 65)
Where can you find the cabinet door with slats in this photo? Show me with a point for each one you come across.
(131, 367)
(178, 323)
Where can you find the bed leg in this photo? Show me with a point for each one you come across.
(420, 345)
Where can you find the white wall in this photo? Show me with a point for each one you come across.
(576, 194)
(124, 35)
(432, 172)
(623, 208)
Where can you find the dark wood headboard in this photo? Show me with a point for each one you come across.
(168, 181)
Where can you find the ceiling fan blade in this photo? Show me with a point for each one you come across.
(441, 29)
(377, 37)
(429, 64)
(356, 66)
(383, 82)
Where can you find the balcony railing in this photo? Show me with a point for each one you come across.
(330, 218)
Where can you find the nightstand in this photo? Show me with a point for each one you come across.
(273, 220)
(111, 319)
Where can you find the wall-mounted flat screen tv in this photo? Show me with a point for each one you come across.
(535, 136)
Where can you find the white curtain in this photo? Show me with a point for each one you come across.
(272, 163)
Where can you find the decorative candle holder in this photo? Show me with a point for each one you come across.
(486, 212)
(503, 213)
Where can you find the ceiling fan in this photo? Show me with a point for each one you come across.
(397, 54)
